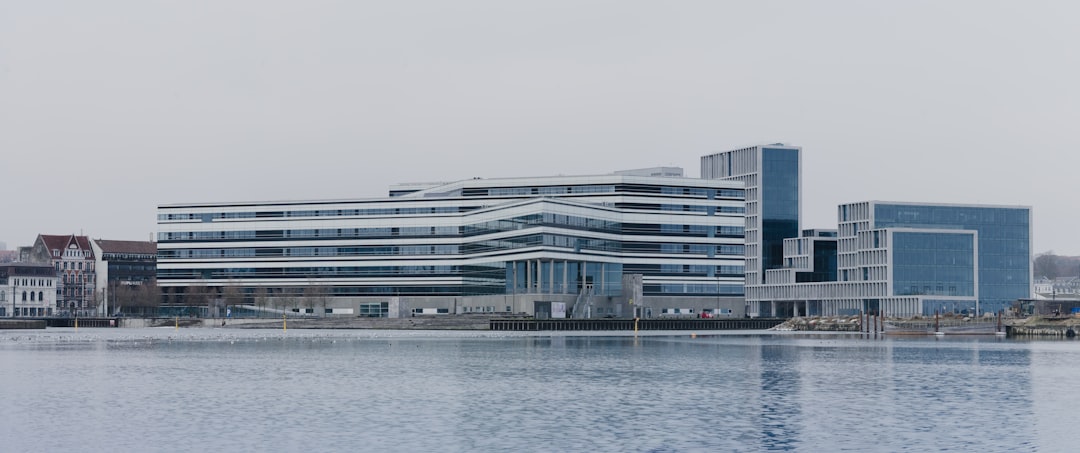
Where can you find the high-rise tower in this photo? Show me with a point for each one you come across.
(771, 174)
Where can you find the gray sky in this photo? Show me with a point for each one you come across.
(110, 108)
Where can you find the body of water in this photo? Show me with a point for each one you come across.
(250, 390)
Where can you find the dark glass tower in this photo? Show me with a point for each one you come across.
(771, 174)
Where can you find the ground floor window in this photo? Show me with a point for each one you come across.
(375, 310)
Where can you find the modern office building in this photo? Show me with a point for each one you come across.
(123, 267)
(898, 258)
(606, 246)
(771, 175)
(671, 172)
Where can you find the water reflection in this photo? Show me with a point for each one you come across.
(779, 380)
(196, 390)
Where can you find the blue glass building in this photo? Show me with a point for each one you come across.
(771, 174)
(978, 251)
(892, 257)
(907, 259)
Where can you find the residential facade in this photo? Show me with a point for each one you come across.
(478, 245)
(72, 259)
(1055, 287)
(27, 290)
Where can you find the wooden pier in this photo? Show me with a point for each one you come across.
(525, 325)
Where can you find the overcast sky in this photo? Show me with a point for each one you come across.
(111, 108)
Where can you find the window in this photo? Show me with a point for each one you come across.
(375, 310)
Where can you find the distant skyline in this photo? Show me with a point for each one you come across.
(109, 109)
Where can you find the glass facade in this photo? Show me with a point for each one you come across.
(475, 237)
(824, 264)
(933, 264)
(1004, 250)
(779, 203)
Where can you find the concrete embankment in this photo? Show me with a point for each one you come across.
(1063, 327)
(417, 323)
(820, 324)
(1059, 327)
(460, 322)
(466, 322)
(12, 324)
(649, 324)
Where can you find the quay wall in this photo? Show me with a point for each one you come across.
(462, 322)
(1044, 326)
(630, 324)
(1042, 331)
(14, 324)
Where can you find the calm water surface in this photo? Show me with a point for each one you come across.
(243, 390)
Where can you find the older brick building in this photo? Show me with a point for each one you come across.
(72, 257)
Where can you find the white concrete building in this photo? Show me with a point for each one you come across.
(27, 290)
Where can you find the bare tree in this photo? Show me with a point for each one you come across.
(197, 296)
(295, 296)
(282, 300)
(96, 303)
(232, 296)
(322, 298)
(261, 300)
(1048, 265)
(311, 297)
(147, 297)
(120, 296)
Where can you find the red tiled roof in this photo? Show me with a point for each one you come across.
(57, 242)
(133, 247)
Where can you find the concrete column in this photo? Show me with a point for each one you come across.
(582, 266)
(528, 276)
(551, 277)
(565, 274)
(602, 276)
(513, 276)
(773, 308)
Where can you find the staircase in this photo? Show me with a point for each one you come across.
(583, 304)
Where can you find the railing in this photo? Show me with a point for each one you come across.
(579, 311)
(628, 324)
(82, 322)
